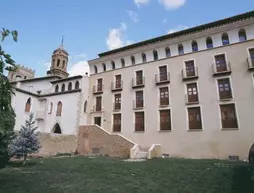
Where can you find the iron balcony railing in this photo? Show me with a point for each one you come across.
(98, 89)
(138, 104)
(162, 77)
(190, 73)
(136, 82)
(117, 85)
(191, 99)
(221, 67)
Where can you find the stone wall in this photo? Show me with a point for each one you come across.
(94, 140)
(53, 144)
(154, 151)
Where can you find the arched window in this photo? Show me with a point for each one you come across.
(180, 49)
(57, 88)
(28, 105)
(85, 104)
(77, 85)
(155, 55)
(242, 35)
(113, 65)
(63, 88)
(70, 86)
(58, 62)
(50, 108)
(144, 58)
(133, 62)
(194, 46)
(63, 64)
(224, 39)
(209, 42)
(95, 70)
(57, 129)
(167, 51)
(104, 67)
(123, 62)
(59, 109)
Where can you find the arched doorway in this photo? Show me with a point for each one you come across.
(251, 154)
(57, 129)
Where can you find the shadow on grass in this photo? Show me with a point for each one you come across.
(243, 180)
(19, 164)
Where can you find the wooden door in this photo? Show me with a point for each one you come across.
(252, 56)
(195, 121)
(190, 68)
(98, 103)
(163, 73)
(139, 77)
(165, 122)
(221, 65)
(99, 85)
(192, 93)
(228, 116)
(97, 121)
(118, 81)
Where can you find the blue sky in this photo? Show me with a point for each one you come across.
(94, 26)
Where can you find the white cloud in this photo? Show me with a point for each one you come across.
(141, 2)
(47, 65)
(133, 16)
(79, 68)
(172, 4)
(178, 28)
(116, 38)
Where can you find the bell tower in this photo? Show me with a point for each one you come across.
(59, 62)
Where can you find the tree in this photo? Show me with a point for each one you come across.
(26, 142)
(7, 115)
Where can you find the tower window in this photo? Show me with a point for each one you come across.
(77, 85)
(224, 38)
(63, 64)
(209, 42)
(104, 67)
(59, 109)
(58, 62)
(194, 46)
(242, 35)
(113, 65)
(95, 70)
(57, 88)
(123, 62)
(180, 49)
(155, 55)
(70, 86)
(144, 58)
(28, 105)
(167, 51)
(133, 62)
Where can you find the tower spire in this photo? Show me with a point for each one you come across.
(62, 41)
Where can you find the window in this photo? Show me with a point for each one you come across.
(194, 46)
(57, 129)
(224, 88)
(195, 120)
(155, 55)
(58, 62)
(59, 109)
(117, 104)
(77, 85)
(139, 77)
(180, 49)
(85, 105)
(118, 83)
(28, 105)
(70, 86)
(192, 93)
(225, 40)
(144, 58)
(99, 85)
(228, 116)
(190, 68)
(221, 65)
(98, 104)
(139, 121)
(251, 52)
(113, 65)
(242, 35)
(163, 73)
(63, 64)
(165, 120)
(95, 70)
(63, 88)
(104, 67)
(167, 51)
(56, 88)
(139, 99)
(123, 62)
(209, 42)
(164, 96)
(133, 62)
(53, 62)
(117, 123)
(50, 108)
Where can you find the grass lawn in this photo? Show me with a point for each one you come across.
(103, 175)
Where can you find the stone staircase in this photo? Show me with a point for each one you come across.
(141, 155)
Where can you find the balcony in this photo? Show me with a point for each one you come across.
(117, 86)
(225, 96)
(138, 105)
(190, 74)
(164, 102)
(116, 107)
(162, 78)
(221, 68)
(98, 89)
(250, 62)
(40, 115)
(138, 82)
(191, 99)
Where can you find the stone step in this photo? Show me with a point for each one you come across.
(141, 155)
